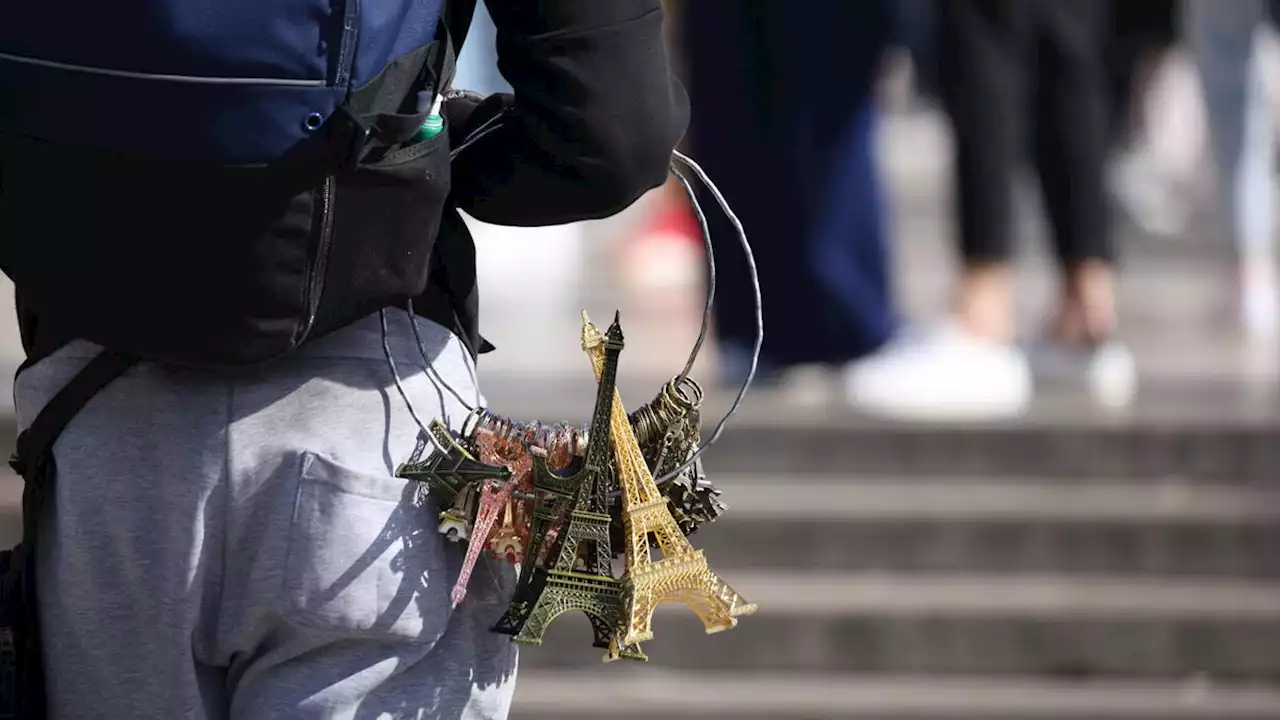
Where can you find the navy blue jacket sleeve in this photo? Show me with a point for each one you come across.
(593, 119)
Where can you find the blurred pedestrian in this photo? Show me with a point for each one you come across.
(784, 119)
(1016, 75)
(1226, 38)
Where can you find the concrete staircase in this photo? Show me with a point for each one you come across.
(1062, 568)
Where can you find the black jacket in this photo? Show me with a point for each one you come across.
(592, 122)
(589, 128)
(595, 113)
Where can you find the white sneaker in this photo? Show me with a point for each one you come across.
(946, 374)
(1107, 371)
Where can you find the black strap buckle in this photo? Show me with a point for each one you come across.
(349, 138)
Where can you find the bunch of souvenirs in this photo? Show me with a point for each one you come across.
(562, 502)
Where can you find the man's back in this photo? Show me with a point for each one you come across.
(236, 544)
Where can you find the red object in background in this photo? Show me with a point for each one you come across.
(674, 219)
(666, 251)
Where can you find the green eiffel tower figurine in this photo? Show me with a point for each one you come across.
(577, 574)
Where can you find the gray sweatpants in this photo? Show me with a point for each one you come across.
(239, 548)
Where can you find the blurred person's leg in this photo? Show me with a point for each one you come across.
(1071, 143)
(1156, 176)
(769, 110)
(846, 234)
(969, 367)
(848, 250)
(724, 53)
(983, 47)
(1143, 176)
(1070, 150)
(1138, 34)
(1224, 38)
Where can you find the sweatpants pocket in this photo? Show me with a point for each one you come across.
(362, 559)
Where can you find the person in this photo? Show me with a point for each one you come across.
(1014, 71)
(259, 273)
(790, 136)
(1152, 127)
(1226, 42)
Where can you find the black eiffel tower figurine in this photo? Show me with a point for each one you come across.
(577, 573)
(451, 474)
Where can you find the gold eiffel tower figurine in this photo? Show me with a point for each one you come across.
(682, 574)
(578, 574)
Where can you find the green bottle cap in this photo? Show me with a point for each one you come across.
(432, 127)
(434, 124)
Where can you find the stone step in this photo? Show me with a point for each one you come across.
(1045, 625)
(1192, 430)
(1238, 454)
(628, 693)
(916, 525)
(854, 523)
(1190, 436)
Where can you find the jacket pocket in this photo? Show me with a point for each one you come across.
(362, 559)
(386, 217)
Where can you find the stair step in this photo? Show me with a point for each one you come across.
(1242, 454)
(1187, 430)
(879, 497)
(1026, 594)
(629, 693)
(1025, 524)
(914, 525)
(1246, 550)
(988, 624)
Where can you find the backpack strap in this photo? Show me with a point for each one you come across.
(37, 441)
(34, 462)
(34, 457)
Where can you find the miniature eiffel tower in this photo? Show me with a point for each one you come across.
(450, 471)
(550, 505)
(682, 574)
(578, 574)
(493, 499)
(508, 538)
(508, 542)
(453, 475)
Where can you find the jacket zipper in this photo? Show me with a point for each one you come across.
(350, 30)
(315, 284)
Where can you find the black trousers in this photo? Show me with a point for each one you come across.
(778, 90)
(1028, 77)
